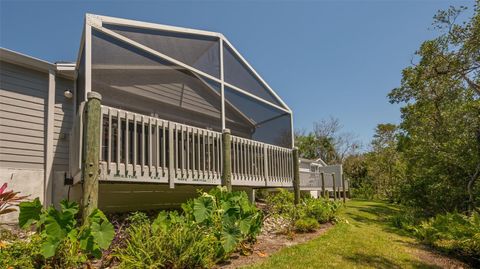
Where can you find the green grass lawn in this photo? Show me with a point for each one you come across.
(362, 240)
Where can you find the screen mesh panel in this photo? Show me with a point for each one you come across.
(134, 80)
(200, 52)
(262, 122)
(239, 75)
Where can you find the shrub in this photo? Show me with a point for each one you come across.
(453, 233)
(63, 243)
(306, 224)
(21, 253)
(170, 241)
(321, 210)
(211, 227)
(280, 205)
(232, 217)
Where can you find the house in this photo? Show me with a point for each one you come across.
(168, 95)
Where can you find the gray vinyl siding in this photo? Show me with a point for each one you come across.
(62, 124)
(23, 95)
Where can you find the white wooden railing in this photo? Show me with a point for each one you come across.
(147, 149)
(258, 164)
(140, 148)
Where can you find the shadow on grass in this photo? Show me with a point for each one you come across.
(380, 262)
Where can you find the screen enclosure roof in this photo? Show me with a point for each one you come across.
(206, 54)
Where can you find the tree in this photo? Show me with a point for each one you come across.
(326, 142)
(440, 128)
(384, 162)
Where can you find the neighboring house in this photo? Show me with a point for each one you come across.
(311, 173)
(167, 92)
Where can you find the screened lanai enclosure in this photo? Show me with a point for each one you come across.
(167, 94)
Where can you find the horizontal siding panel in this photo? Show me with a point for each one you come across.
(38, 92)
(19, 117)
(26, 77)
(27, 132)
(21, 145)
(23, 94)
(22, 110)
(21, 158)
(20, 103)
(21, 138)
(15, 70)
(25, 165)
(21, 124)
(25, 152)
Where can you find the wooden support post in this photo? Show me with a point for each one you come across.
(322, 176)
(227, 159)
(91, 156)
(334, 188)
(296, 175)
(343, 189)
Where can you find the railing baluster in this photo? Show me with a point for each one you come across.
(150, 147)
(110, 137)
(119, 129)
(127, 150)
(157, 148)
(164, 150)
(182, 151)
(171, 156)
(135, 145)
(142, 150)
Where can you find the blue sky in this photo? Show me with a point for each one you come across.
(324, 58)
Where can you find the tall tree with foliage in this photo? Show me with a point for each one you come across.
(384, 162)
(440, 128)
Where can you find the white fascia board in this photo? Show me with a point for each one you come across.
(25, 60)
(256, 74)
(148, 25)
(67, 70)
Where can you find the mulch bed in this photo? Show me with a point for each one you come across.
(268, 243)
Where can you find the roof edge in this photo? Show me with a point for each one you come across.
(21, 59)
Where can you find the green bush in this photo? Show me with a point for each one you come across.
(453, 233)
(60, 241)
(170, 241)
(320, 209)
(21, 253)
(281, 204)
(230, 215)
(306, 224)
(211, 227)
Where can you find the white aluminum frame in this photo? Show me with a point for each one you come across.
(96, 21)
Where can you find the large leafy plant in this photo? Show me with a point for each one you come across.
(60, 228)
(231, 216)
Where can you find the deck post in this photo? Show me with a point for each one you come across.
(91, 159)
(296, 176)
(334, 188)
(343, 189)
(322, 176)
(227, 159)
